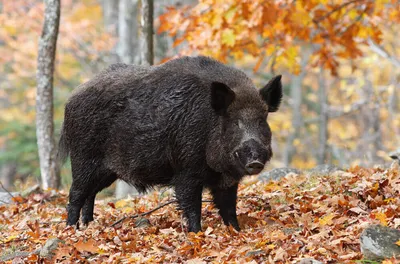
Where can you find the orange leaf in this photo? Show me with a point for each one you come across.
(61, 252)
(35, 233)
(88, 246)
(18, 199)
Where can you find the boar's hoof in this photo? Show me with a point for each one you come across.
(86, 220)
(236, 226)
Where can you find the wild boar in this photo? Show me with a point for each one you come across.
(191, 123)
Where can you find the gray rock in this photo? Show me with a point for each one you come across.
(309, 261)
(6, 198)
(277, 174)
(142, 222)
(32, 189)
(395, 155)
(48, 248)
(324, 169)
(378, 242)
(253, 253)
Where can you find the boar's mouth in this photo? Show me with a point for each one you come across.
(251, 167)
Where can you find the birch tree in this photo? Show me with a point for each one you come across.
(44, 96)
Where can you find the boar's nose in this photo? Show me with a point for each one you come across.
(254, 167)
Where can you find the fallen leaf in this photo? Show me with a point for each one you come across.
(89, 246)
(326, 220)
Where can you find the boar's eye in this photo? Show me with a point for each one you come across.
(238, 123)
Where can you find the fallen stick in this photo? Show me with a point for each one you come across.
(151, 211)
(145, 213)
(2, 186)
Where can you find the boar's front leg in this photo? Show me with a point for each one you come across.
(225, 201)
(188, 193)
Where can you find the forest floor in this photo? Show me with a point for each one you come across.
(300, 216)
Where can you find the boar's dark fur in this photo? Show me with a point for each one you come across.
(191, 123)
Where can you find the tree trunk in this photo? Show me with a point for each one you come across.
(146, 32)
(110, 17)
(44, 97)
(7, 170)
(110, 14)
(126, 30)
(296, 102)
(127, 33)
(374, 133)
(323, 120)
(297, 119)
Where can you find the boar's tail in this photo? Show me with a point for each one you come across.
(63, 149)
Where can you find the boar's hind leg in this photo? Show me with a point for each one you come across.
(188, 192)
(85, 182)
(225, 201)
(105, 179)
(77, 196)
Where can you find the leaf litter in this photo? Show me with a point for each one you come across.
(284, 221)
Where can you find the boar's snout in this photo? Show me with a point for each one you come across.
(253, 155)
(254, 167)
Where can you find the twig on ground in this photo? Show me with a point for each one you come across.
(2, 186)
(4, 202)
(145, 213)
(151, 211)
(251, 196)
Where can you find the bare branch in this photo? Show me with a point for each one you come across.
(335, 112)
(383, 53)
(2, 186)
(335, 10)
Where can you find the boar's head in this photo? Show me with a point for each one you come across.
(242, 133)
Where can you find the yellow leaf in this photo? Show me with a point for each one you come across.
(271, 246)
(228, 37)
(326, 220)
(230, 14)
(121, 203)
(390, 200)
(261, 243)
(382, 218)
(398, 243)
(8, 239)
(301, 16)
(127, 210)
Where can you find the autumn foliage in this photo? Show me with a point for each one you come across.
(317, 216)
(276, 30)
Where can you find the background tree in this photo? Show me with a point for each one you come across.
(44, 98)
(276, 36)
(146, 46)
(146, 50)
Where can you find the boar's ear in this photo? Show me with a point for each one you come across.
(272, 93)
(221, 97)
